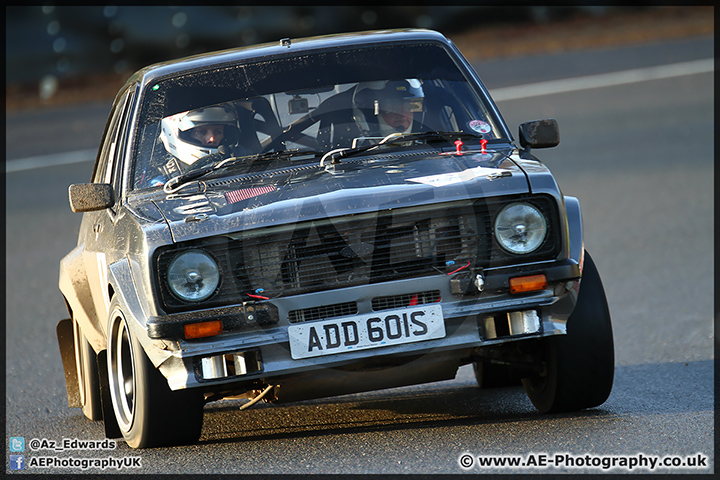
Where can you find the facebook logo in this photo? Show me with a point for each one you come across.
(17, 444)
(17, 462)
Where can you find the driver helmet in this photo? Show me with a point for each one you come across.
(180, 133)
(377, 105)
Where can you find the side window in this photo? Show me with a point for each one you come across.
(103, 165)
(121, 144)
(108, 168)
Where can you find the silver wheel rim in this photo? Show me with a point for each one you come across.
(121, 371)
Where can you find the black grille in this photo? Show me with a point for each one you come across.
(323, 312)
(407, 300)
(336, 253)
(359, 249)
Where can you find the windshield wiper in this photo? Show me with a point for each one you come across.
(448, 137)
(394, 138)
(175, 183)
(340, 153)
(281, 154)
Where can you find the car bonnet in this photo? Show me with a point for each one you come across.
(310, 192)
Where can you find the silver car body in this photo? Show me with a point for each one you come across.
(305, 341)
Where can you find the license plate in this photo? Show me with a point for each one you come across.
(392, 327)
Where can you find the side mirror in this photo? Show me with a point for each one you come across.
(88, 197)
(540, 133)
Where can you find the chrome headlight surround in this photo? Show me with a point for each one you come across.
(193, 275)
(520, 228)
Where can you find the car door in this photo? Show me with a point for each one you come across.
(98, 228)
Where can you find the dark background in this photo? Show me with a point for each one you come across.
(62, 54)
(67, 41)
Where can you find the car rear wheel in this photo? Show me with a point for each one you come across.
(148, 413)
(87, 375)
(580, 365)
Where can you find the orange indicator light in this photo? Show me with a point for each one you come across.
(204, 329)
(530, 283)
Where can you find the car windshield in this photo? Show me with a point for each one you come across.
(302, 107)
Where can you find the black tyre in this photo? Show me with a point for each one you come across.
(148, 413)
(581, 364)
(87, 375)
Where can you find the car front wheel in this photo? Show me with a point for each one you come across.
(148, 413)
(580, 365)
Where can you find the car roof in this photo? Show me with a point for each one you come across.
(283, 47)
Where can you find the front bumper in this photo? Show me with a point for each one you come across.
(254, 349)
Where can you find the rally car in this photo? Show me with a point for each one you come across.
(318, 217)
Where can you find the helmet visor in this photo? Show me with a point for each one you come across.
(208, 127)
(210, 135)
(399, 105)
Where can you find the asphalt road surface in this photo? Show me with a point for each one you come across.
(637, 151)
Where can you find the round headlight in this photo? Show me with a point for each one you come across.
(193, 275)
(520, 228)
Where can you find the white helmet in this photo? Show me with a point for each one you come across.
(176, 131)
(372, 99)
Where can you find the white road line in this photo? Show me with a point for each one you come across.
(603, 80)
(41, 161)
(499, 94)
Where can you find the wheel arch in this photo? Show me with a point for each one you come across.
(573, 214)
(121, 285)
(75, 288)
